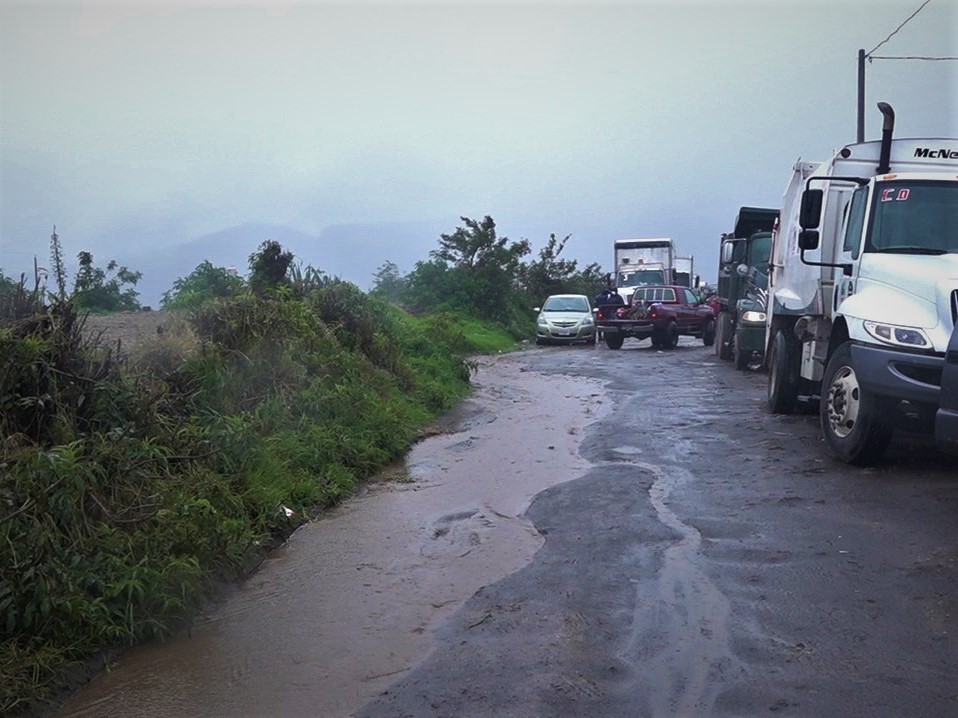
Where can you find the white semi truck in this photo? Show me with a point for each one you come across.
(644, 262)
(863, 293)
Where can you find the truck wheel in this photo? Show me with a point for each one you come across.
(708, 334)
(850, 417)
(614, 341)
(723, 337)
(782, 375)
(671, 339)
(741, 358)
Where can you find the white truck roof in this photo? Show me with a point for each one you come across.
(936, 154)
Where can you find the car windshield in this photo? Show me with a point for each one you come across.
(641, 278)
(566, 304)
(914, 218)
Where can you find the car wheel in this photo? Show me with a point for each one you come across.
(850, 417)
(782, 376)
(614, 341)
(540, 341)
(708, 333)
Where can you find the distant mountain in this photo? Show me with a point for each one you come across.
(352, 252)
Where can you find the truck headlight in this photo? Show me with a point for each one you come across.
(753, 317)
(900, 336)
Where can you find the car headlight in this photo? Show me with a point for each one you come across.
(587, 321)
(899, 336)
(753, 316)
(541, 321)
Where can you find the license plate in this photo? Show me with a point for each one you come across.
(565, 332)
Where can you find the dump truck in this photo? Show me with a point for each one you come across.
(742, 285)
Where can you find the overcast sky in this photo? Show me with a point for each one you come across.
(143, 125)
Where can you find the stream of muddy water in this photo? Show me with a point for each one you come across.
(349, 603)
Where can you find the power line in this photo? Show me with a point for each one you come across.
(895, 31)
(907, 57)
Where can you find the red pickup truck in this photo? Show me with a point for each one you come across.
(661, 313)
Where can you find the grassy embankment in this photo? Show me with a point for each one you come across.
(130, 484)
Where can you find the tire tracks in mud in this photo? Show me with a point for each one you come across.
(680, 635)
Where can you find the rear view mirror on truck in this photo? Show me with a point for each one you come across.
(727, 248)
(811, 211)
(808, 239)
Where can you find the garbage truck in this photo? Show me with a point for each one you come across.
(863, 293)
(742, 285)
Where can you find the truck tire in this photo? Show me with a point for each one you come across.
(670, 339)
(723, 336)
(708, 333)
(850, 416)
(782, 375)
(614, 340)
(741, 358)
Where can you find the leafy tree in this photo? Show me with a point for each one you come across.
(203, 284)
(483, 272)
(388, 283)
(477, 245)
(268, 267)
(95, 290)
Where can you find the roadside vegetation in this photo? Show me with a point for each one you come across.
(133, 479)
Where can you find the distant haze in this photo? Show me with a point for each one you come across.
(162, 134)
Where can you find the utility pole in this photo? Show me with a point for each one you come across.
(861, 95)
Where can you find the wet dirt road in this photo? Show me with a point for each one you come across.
(606, 533)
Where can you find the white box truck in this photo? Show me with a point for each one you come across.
(863, 293)
(642, 262)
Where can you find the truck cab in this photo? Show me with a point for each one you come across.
(742, 285)
(864, 292)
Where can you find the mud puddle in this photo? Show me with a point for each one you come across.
(349, 603)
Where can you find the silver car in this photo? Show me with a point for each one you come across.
(564, 319)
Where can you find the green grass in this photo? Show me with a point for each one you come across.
(129, 487)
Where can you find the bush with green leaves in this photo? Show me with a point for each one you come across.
(203, 284)
(129, 485)
(105, 290)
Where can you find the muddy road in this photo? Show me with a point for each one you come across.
(601, 533)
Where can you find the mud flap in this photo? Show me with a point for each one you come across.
(946, 420)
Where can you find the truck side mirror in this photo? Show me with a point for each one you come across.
(810, 213)
(808, 239)
(727, 248)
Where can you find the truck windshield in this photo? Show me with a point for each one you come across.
(918, 217)
(641, 278)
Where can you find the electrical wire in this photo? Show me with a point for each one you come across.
(895, 31)
(907, 57)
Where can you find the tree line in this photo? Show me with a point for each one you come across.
(473, 270)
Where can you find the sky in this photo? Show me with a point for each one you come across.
(139, 128)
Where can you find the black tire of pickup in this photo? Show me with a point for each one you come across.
(671, 336)
(850, 415)
(708, 333)
(614, 340)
